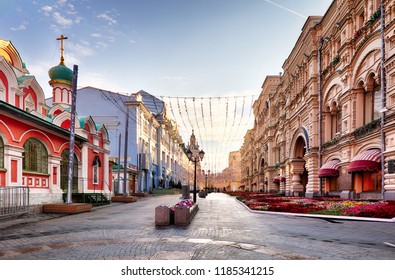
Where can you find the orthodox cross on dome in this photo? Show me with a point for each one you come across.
(61, 38)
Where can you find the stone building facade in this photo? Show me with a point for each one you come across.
(140, 122)
(326, 124)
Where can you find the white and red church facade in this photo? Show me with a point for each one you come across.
(34, 138)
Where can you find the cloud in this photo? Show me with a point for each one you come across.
(81, 50)
(106, 17)
(175, 78)
(178, 83)
(98, 80)
(20, 27)
(59, 11)
(71, 10)
(62, 20)
(47, 10)
(101, 45)
(78, 20)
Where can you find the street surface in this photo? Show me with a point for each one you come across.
(222, 229)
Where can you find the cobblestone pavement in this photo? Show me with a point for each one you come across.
(222, 229)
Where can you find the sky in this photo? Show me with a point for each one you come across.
(174, 49)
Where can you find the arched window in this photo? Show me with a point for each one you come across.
(35, 156)
(377, 102)
(2, 91)
(96, 164)
(1, 153)
(376, 5)
(368, 108)
(29, 104)
(336, 117)
(64, 171)
(262, 167)
(372, 101)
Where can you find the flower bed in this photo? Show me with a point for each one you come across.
(320, 205)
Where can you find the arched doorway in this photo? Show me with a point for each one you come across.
(153, 180)
(262, 184)
(64, 171)
(299, 172)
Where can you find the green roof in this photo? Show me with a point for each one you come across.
(61, 73)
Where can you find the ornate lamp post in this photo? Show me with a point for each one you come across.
(195, 159)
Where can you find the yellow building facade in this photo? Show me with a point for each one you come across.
(325, 126)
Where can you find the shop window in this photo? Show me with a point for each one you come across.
(367, 181)
(331, 184)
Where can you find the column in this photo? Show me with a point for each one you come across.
(297, 168)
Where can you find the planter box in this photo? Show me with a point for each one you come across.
(62, 208)
(121, 198)
(202, 194)
(183, 215)
(162, 215)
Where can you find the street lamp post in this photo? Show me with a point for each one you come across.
(195, 159)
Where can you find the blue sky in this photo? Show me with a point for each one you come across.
(174, 48)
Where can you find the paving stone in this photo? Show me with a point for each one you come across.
(222, 229)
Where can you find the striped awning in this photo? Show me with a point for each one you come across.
(366, 161)
(329, 169)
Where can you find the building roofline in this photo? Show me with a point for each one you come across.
(20, 114)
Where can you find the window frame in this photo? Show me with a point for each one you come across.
(35, 156)
(1, 153)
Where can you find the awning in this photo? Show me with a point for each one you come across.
(276, 179)
(366, 161)
(329, 169)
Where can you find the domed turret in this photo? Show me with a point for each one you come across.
(61, 80)
(60, 74)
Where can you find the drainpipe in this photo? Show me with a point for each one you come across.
(383, 96)
(320, 110)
